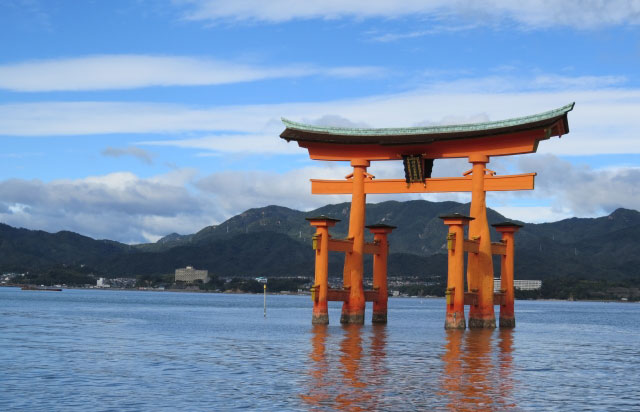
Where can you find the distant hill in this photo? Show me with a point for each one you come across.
(24, 250)
(275, 241)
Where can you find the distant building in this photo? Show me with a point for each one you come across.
(520, 284)
(190, 275)
(103, 283)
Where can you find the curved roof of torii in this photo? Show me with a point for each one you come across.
(554, 121)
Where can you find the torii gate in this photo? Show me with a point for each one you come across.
(418, 147)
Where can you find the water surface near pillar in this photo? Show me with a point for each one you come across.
(130, 351)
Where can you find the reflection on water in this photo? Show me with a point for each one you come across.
(352, 378)
(130, 351)
(478, 370)
(349, 371)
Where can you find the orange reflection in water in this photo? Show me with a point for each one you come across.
(477, 371)
(340, 379)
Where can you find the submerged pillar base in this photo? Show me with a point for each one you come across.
(379, 317)
(356, 318)
(455, 321)
(320, 319)
(479, 323)
(507, 322)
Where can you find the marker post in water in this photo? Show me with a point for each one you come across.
(263, 280)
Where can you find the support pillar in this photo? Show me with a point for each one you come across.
(321, 283)
(353, 309)
(480, 266)
(507, 313)
(380, 233)
(455, 276)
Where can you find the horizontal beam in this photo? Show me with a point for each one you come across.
(471, 246)
(434, 185)
(346, 246)
(502, 145)
(341, 245)
(371, 295)
(342, 295)
(498, 248)
(471, 298)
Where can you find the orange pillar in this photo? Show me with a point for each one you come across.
(480, 267)
(455, 275)
(353, 309)
(321, 283)
(507, 314)
(380, 232)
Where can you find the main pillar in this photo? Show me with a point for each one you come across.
(353, 309)
(455, 275)
(380, 233)
(507, 313)
(480, 265)
(321, 283)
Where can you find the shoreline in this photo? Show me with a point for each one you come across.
(304, 293)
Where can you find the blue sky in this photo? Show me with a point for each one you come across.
(132, 119)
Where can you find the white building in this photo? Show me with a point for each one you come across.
(103, 283)
(190, 275)
(520, 284)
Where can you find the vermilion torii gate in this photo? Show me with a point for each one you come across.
(418, 147)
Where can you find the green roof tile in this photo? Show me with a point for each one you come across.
(439, 130)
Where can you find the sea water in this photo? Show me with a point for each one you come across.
(104, 350)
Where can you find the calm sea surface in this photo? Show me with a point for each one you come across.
(93, 350)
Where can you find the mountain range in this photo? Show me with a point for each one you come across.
(276, 241)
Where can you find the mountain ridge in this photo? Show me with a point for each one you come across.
(275, 241)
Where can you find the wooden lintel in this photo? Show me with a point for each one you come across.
(471, 246)
(340, 295)
(371, 295)
(341, 245)
(500, 145)
(433, 185)
(346, 246)
(372, 248)
(470, 298)
(498, 248)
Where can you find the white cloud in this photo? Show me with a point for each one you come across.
(604, 121)
(533, 214)
(105, 72)
(578, 14)
(136, 152)
(125, 207)
(581, 190)
(435, 29)
(236, 143)
(118, 206)
(237, 191)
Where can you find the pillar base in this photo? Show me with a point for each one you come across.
(475, 323)
(321, 319)
(356, 318)
(379, 317)
(508, 322)
(455, 321)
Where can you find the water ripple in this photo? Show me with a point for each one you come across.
(138, 351)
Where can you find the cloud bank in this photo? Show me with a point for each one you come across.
(106, 72)
(580, 14)
(131, 209)
(604, 120)
(140, 154)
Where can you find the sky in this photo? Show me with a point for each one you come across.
(132, 119)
